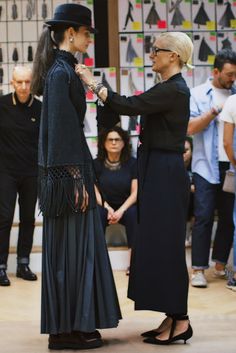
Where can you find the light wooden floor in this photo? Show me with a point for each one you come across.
(212, 312)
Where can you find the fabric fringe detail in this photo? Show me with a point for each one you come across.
(58, 187)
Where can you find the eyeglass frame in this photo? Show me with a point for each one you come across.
(115, 139)
(155, 50)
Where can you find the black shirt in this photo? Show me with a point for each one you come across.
(165, 108)
(19, 130)
(116, 184)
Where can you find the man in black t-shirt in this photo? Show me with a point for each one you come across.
(19, 129)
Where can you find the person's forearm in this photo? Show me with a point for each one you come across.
(132, 199)
(198, 124)
(230, 153)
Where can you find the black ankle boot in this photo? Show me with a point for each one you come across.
(4, 280)
(23, 271)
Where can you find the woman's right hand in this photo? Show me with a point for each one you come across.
(85, 199)
(84, 73)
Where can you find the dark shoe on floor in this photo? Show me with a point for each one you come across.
(151, 333)
(4, 280)
(73, 341)
(23, 271)
(182, 336)
(89, 335)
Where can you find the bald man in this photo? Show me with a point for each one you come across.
(19, 129)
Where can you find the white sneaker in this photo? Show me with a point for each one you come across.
(199, 280)
(220, 274)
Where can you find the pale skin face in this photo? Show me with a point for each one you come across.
(76, 41)
(164, 62)
(114, 145)
(21, 80)
(226, 77)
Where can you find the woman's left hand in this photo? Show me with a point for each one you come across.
(84, 73)
(117, 215)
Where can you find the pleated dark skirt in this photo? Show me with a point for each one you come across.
(78, 290)
(159, 277)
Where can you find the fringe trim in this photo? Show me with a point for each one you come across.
(58, 188)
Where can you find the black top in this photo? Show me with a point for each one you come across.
(166, 113)
(19, 129)
(116, 184)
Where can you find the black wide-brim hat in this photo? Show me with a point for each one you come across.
(72, 15)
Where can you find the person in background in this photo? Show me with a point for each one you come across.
(19, 129)
(209, 164)
(78, 289)
(228, 116)
(116, 171)
(159, 276)
(187, 161)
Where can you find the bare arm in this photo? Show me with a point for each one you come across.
(105, 205)
(228, 141)
(198, 124)
(128, 202)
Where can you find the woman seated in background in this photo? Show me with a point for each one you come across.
(116, 172)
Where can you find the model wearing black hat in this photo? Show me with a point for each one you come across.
(78, 291)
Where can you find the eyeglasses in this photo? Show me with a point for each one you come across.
(155, 50)
(118, 139)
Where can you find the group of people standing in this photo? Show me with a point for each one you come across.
(78, 290)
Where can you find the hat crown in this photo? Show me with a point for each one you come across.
(71, 14)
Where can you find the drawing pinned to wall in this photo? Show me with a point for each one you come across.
(203, 13)
(15, 55)
(131, 83)
(226, 40)
(30, 53)
(131, 50)
(226, 15)
(201, 17)
(130, 15)
(44, 12)
(152, 17)
(14, 11)
(149, 39)
(179, 15)
(204, 48)
(155, 16)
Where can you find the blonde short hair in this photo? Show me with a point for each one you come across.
(180, 43)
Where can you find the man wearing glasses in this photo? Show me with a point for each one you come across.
(19, 128)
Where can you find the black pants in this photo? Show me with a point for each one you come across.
(207, 198)
(26, 188)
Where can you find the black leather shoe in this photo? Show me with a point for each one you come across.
(4, 280)
(23, 271)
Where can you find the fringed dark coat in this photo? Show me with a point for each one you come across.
(64, 158)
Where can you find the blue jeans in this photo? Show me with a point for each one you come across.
(207, 198)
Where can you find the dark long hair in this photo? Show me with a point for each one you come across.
(45, 55)
(125, 152)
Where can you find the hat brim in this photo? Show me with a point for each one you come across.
(72, 23)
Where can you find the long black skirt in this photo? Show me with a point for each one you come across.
(159, 277)
(78, 290)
